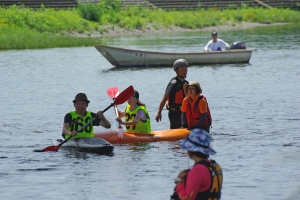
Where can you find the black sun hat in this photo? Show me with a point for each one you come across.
(81, 97)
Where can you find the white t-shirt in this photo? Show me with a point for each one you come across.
(215, 46)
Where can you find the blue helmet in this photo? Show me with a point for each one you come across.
(180, 63)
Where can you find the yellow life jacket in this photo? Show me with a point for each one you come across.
(77, 122)
(141, 126)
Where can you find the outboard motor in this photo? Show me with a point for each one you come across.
(238, 45)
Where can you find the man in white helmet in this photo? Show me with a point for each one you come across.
(174, 94)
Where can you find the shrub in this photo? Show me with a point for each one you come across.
(90, 11)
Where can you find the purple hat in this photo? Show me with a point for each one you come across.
(198, 141)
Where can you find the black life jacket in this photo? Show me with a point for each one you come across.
(177, 95)
(214, 192)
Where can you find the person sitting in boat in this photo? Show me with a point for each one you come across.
(204, 180)
(136, 115)
(174, 94)
(74, 120)
(195, 110)
(216, 44)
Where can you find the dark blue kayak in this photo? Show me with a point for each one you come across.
(91, 145)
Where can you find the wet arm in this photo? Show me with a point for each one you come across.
(201, 120)
(162, 103)
(65, 130)
(161, 106)
(183, 119)
(66, 125)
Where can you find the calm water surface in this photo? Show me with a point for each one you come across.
(255, 109)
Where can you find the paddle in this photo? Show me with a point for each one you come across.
(113, 93)
(121, 98)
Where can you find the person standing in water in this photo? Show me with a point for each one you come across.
(174, 95)
(195, 110)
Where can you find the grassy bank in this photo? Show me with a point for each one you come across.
(24, 28)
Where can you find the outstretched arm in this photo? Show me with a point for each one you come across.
(161, 106)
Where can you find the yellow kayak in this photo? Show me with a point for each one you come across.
(156, 136)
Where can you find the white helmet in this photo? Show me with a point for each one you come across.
(195, 83)
(180, 63)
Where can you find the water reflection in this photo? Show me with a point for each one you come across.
(120, 69)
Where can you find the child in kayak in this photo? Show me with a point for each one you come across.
(136, 116)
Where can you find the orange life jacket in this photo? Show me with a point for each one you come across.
(193, 114)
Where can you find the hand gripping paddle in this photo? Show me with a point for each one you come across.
(113, 93)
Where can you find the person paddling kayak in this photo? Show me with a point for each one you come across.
(76, 119)
(136, 115)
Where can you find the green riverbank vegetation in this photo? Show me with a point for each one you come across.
(25, 28)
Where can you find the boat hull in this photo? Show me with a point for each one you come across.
(155, 136)
(90, 145)
(121, 57)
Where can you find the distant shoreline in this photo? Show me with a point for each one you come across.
(113, 31)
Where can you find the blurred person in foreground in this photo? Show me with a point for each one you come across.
(204, 179)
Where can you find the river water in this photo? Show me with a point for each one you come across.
(255, 110)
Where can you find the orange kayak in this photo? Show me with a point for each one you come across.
(156, 136)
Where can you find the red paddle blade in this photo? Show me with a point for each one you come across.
(112, 92)
(50, 148)
(124, 96)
